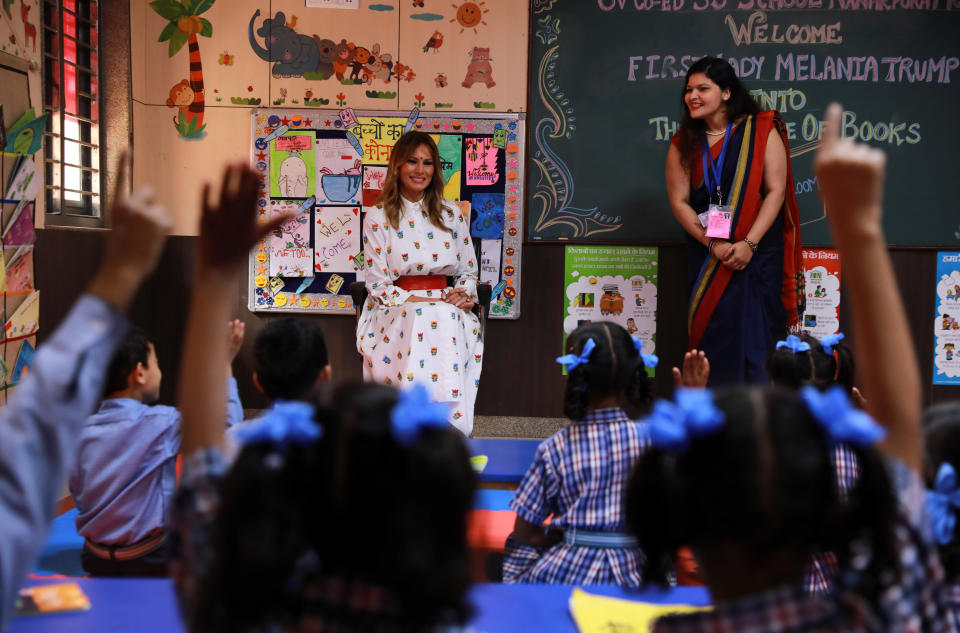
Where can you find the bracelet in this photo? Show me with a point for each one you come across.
(713, 242)
(751, 244)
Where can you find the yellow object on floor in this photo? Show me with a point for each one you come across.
(601, 614)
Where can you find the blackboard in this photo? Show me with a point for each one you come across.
(605, 96)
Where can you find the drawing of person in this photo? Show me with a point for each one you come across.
(631, 326)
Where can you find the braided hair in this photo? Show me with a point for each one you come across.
(792, 370)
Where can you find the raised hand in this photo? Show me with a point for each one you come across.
(235, 332)
(696, 370)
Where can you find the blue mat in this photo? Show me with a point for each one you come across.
(61, 554)
(487, 499)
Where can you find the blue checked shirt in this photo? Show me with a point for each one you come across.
(920, 603)
(579, 475)
(39, 428)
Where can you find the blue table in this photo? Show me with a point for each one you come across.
(149, 606)
(508, 459)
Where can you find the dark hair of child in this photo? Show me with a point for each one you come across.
(133, 349)
(764, 487)
(941, 423)
(615, 367)
(289, 354)
(355, 509)
(793, 370)
(720, 72)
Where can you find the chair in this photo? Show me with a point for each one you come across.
(358, 291)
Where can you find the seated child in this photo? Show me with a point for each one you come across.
(348, 518)
(745, 478)
(125, 474)
(941, 424)
(578, 475)
(42, 419)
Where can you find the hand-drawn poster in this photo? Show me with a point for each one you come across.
(336, 232)
(612, 283)
(373, 178)
(293, 165)
(481, 158)
(490, 261)
(451, 151)
(377, 136)
(488, 215)
(290, 251)
(26, 320)
(822, 315)
(338, 172)
(20, 228)
(946, 353)
(20, 271)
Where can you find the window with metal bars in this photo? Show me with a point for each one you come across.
(71, 97)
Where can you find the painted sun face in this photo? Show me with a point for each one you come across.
(470, 15)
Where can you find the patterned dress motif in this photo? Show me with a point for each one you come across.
(405, 342)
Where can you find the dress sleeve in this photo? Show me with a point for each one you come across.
(379, 275)
(466, 276)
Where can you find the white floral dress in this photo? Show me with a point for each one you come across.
(405, 342)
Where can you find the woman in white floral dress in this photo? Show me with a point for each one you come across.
(414, 328)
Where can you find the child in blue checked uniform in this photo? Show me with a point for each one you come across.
(578, 475)
(744, 476)
(941, 424)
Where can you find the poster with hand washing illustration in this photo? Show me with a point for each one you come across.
(612, 283)
(336, 237)
(292, 165)
(946, 323)
(338, 172)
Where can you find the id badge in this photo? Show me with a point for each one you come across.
(703, 217)
(718, 221)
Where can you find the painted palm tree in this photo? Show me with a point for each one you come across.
(185, 23)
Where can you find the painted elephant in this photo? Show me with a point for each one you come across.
(293, 53)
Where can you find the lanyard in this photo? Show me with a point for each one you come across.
(715, 170)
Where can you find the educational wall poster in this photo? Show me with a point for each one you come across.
(946, 353)
(612, 283)
(330, 167)
(822, 270)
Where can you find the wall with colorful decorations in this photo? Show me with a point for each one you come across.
(201, 66)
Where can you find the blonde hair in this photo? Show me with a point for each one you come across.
(433, 195)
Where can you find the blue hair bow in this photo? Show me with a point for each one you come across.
(649, 360)
(827, 342)
(414, 412)
(286, 423)
(941, 504)
(572, 361)
(841, 420)
(692, 414)
(795, 344)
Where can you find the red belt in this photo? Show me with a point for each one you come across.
(422, 282)
(126, 552)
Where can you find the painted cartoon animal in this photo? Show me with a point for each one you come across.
(479, 70)
(29, 30)
(293, 53)
(342, 56)
(325, 49)
(361, 56)
(293, 176)
(375, 67)
(435, 42)
(386, 70)
(182, 96)
(402, 71)
(440, 80)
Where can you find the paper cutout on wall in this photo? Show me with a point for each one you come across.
(451, 155)
(373, 178)
(470, 15)
(20, 228)
(336, 232)
(488, 208)
(479, 70)
(183, 26)
(26, 320)
(481, 157)
(19, 270)
(293, 170)
(490, 261)
(290, 251)
(24, 362)
(378, 135)
(338, 172)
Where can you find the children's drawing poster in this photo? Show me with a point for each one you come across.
(338, 172)
(450, 147)
(612, 283)
(336, 238)
(290, 252)
(946, 353)
(481, 156)
(373, 178)
(19, 273)
(377, 136)
(822, 314)
(26, 320)
(293, 165)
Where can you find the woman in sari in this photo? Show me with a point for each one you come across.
(736, 202)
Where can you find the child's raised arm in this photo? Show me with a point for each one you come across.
(228, 230)
(851, 179)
